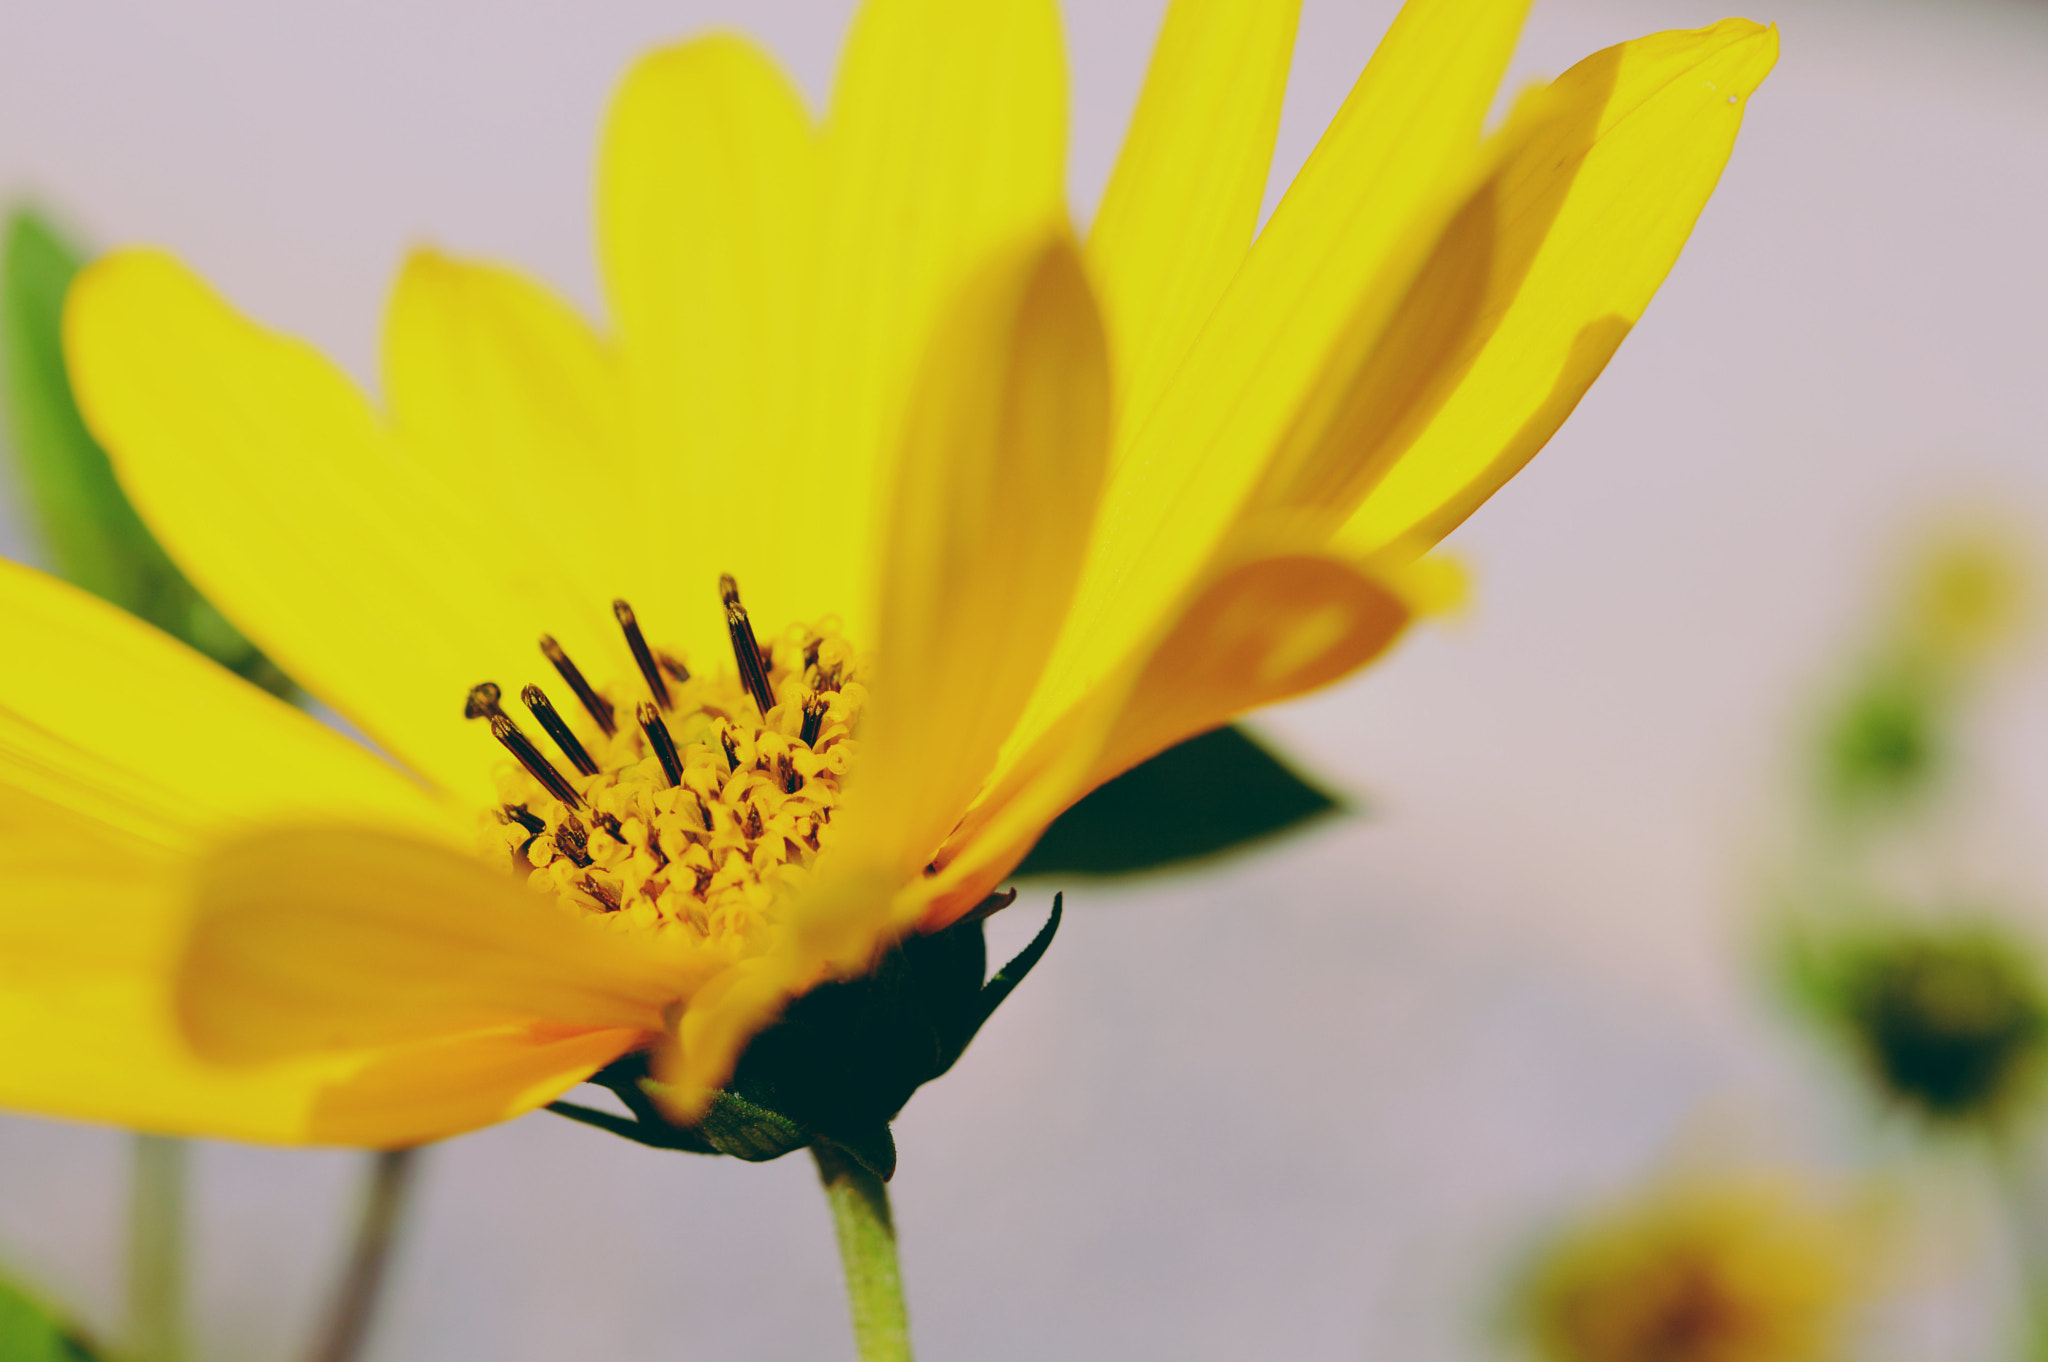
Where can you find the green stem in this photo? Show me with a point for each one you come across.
(2019, 1186)
(355, 1305)
(867, 1251)
(156, 1250)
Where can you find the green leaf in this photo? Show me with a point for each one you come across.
(1211, 794)
(32, 1332)
(90, 532)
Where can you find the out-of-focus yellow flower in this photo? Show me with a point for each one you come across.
(1734, 1268)
(1029, 509)
(1969, 594)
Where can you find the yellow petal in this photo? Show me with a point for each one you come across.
(707, 222)
(1590, 221)
(498, 388)
(840, 922)
(945, 146)
(89, 927)
(91, 932)
(1270, 629)
(1181, 206)
(107, 1050)
(327, 939)
(1335, 259)
(994, 498)
(408, 1095)
(121, 725)
(268, 478)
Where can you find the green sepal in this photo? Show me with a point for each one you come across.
(30, 1331)
(842, 1061)
(77, 510)
(874, 1150)
(1213, 793)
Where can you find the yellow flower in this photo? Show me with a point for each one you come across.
(860, 364)
(1728, 1268)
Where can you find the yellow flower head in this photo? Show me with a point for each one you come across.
(930, 517)
(1732, 1268)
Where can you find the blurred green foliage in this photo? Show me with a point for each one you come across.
(1949, 1018)
(1947, 1011)
(1887, 745)
(30, 1332)
(74, 503)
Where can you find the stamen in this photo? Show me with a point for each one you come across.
(482, 702)
(572, 839)
(745, 650)
(537, 766)
(592, 887)
(525, 818)
(673, 667)
(594, 704)
(814, 719)
(537, 701)
(641, 654)
(732, 752)
(664, 746)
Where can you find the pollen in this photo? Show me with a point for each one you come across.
(679, 798)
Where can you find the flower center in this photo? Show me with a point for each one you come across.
(694, 813)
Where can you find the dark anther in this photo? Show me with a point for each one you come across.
(537, 701)
(755, 827)
(572, 839)
(537, 766)
(814, 720)
(592, 887)
(655, 888)
(654, 850)
(521, 815)
(745, 650)
(610, 824)
(482, 702)
(673, 667)
(664, 746)
(642, 656)
(811, 652)
(594, 704)
(732, 753)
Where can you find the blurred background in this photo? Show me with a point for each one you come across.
(1331, 1100)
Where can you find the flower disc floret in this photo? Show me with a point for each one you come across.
(701, 810)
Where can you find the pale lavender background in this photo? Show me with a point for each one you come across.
(1311, 1107)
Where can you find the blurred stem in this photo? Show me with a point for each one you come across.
(867, 1252)
(392, 1173)
(2024, 1192)
(156, 1250)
